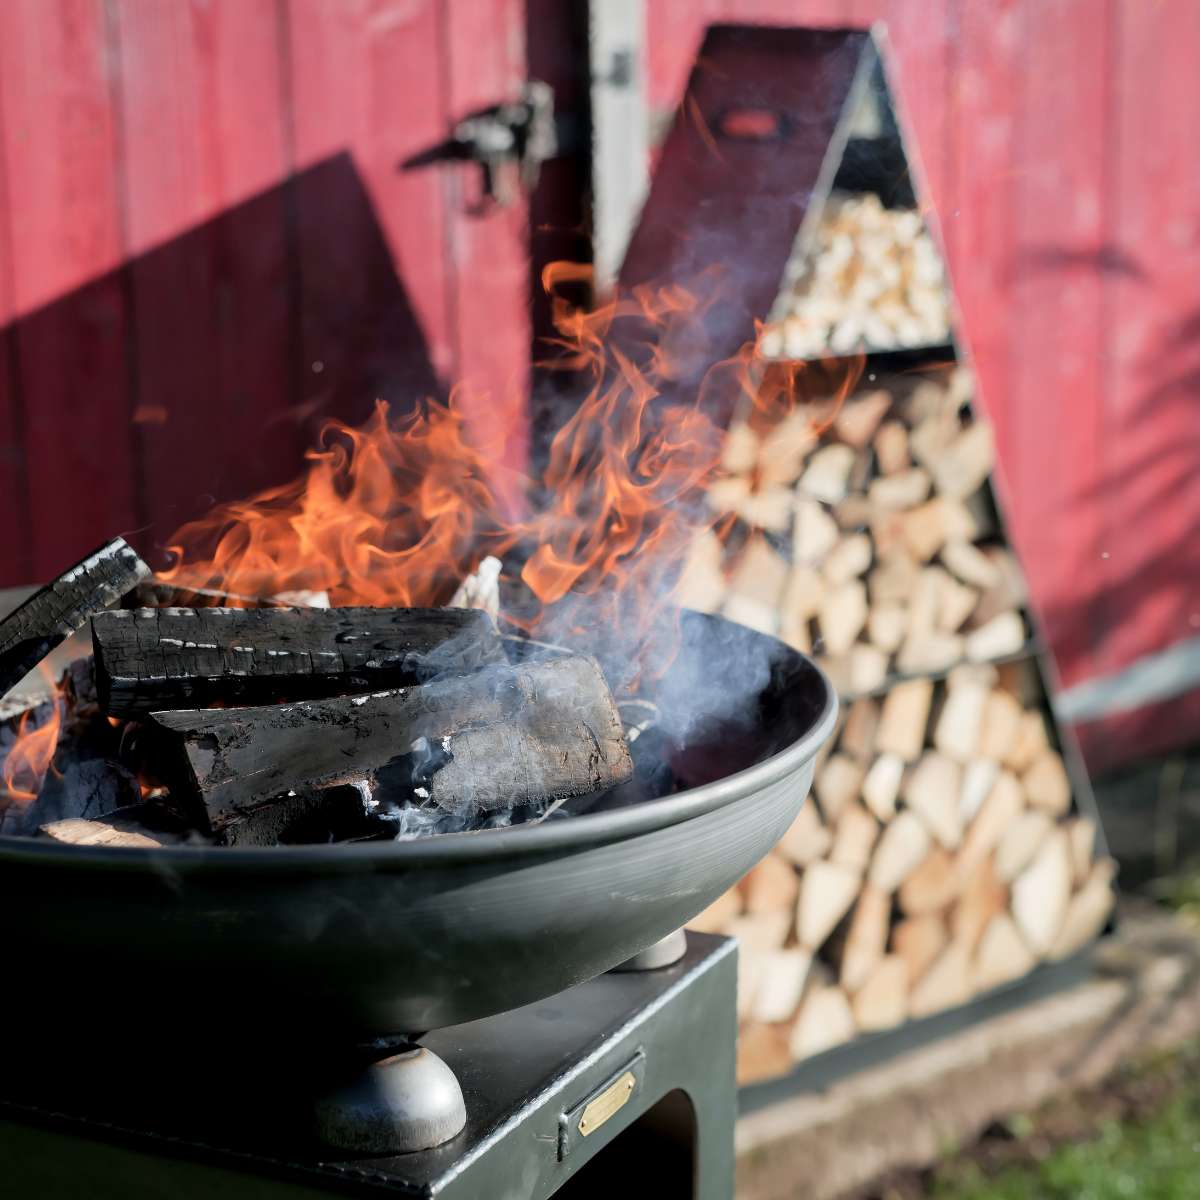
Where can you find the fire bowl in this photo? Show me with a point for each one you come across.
(355, 942)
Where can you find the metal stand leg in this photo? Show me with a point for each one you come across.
(663, 953)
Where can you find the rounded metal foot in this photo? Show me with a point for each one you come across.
(662, 954)
(407, 1102)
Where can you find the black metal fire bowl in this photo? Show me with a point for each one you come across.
(354, 942)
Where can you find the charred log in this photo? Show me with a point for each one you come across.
(311, 817)
(152, 659)
(501, 737)
(51, 615)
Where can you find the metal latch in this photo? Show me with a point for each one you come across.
(601, 1104)
(510, 141)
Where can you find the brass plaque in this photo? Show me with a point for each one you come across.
(611, 1100)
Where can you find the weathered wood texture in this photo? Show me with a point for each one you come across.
(501, 737)
(51, 615)
(160, 658)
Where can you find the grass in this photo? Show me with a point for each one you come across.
(1136, 1137)
(1155, 1160)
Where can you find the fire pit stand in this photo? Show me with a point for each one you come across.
(625, 1080)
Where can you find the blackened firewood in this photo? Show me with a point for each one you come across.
(502, 737)
(335, 814)
(150, 659)
(50, 616)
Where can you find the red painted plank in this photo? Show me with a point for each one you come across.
(1056, 307)
(1151, 487)
(15, 551)
(1156, 729)
(202, 133)
(366, 94)
(489, 253)
(64, 234)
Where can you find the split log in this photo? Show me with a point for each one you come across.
(1046, 784)
(866, 938)
(854, 838)
(1001, 724)
(932, 793)
(933, 886)
(919, 941)
(979, 778)
(882, 785)
(882, 1001)
(891, 448)
(814, 532)
(842, 615)
(938, 521)
(761, 932)
(825, 1020)
(1021, 843)
(150, 659)
(827, 475)
(858, 734)
(749, 972)
(312, 816)
(780, 985)
(783, 451)
(859, 417)
(959, 725)
(1030, 742)
(762, 1053)
(946, 984)
(55, 612)
(970, 564)
(892, 580)
(836, 784)
(1041, 893)
(111, 830)
(769, 886)
(1087, 912)
(956, 604)
(1002, 955)
(887, 625)
(903, 719)
(931, 654)
(903, 846)
(806, 839)
(757, 586)
(848, 559)
(853, 514)
(983, 897)
(963, 466)
(901, 490)
(801, 599)
(716, 917)
(702, 584)
(1002, 635)
(996, 816)
(502, 737)
(867, 668)
(739, 452)
(826, 892)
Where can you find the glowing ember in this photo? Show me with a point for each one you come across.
(31, 755)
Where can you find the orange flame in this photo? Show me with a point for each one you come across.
(31, 756)
(399, 511)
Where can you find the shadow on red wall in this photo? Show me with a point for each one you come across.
(200, 371)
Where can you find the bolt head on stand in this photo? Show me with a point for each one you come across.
(410, 1101)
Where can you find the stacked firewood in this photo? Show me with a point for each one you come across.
(941, 858)
(942, 854)
(866, 535)
(871, 278)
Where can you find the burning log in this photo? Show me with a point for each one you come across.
(501, 737)
(51, 615)
(151, 659)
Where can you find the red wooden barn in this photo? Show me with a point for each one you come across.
(222, 221)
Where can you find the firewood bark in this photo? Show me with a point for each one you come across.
(503, 736)
(151, 659)
(51, 615)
